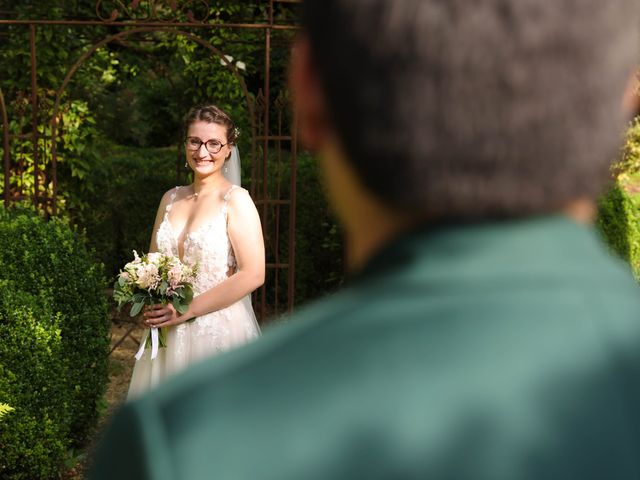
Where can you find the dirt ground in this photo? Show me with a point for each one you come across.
(121, 363)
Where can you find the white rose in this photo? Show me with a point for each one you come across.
(229, 60)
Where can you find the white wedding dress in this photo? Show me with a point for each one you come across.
(210, 248)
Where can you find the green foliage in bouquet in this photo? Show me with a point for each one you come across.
(152, 279)
(47, 260)
(155, 278)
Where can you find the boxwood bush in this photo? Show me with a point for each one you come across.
(35, 436)
(53, 353)
(629, 163)
(4, 409)
(319, 243)
(619, 209)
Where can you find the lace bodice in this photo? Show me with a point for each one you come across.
(208, 246)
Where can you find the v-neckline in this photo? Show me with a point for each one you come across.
(187, 236)
(221, 213)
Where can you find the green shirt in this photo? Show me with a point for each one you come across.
(492, 351)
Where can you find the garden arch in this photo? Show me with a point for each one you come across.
(267, 135)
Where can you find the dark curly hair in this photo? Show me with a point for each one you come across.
(475, 109)
(211, 114)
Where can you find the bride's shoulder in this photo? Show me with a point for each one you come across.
(176, 191)
(236, 194)
(240, 204)
(171, 195)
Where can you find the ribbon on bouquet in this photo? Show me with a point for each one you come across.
(155, 342)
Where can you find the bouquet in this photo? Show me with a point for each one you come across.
(151, 279)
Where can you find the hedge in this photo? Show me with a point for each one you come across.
(35, 437)
(4, 409)
(53, 353)
(116, 202)
(619, 208)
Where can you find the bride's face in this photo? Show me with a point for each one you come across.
(203, 141)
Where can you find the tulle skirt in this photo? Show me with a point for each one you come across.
(191, 342)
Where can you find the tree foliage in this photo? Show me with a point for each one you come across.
(133, 90)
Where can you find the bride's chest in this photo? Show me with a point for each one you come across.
(206, 244)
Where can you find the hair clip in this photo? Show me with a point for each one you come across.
(236, 132)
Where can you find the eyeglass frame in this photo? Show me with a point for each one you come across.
(205, 145)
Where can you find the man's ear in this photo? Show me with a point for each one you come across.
(308, 100)
(631, 100)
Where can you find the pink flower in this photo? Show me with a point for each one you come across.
(148, 277)
(174, 276)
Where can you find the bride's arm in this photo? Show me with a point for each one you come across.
(245, 233)
(153, 246)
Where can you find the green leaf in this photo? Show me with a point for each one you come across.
(177, 293)
(180, 306)
(139, 297)
(4, 409)
(187, 294)
(136, 308)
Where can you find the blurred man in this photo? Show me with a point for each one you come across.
(485, 332)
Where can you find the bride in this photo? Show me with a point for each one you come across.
(212, 223)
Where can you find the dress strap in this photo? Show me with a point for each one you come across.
(227, 195)
(226, 198)
(171, 199)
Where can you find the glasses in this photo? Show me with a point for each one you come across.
(193, 144)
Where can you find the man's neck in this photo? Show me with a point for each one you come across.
(377, 226)
(368, 223)
(581, 210)
(373, 230)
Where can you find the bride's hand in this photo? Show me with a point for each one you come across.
(162, 316)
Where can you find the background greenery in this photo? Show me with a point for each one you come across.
(619, 218)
